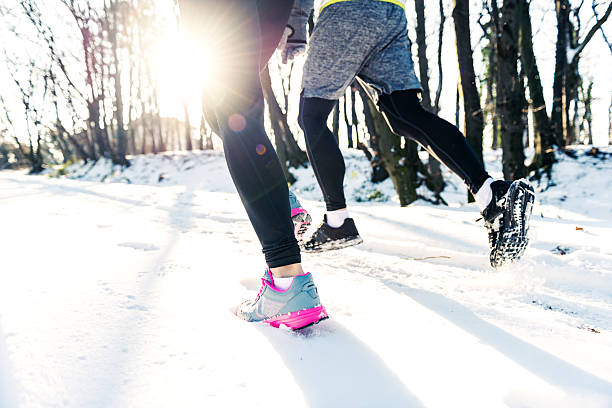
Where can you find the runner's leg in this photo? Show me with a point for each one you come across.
(231, 27)
(323, 151)
(408, 118)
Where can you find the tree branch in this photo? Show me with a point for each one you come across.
(590, 35)
(603, 33)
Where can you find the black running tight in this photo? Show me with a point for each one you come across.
(323, 151)
(407, 118)
(242, 34)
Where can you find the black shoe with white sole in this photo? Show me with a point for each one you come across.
(507, 220)
(326, 238)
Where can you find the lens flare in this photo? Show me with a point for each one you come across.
(236, 122)
(260, 149)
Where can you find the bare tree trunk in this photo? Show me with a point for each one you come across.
(474, 121)
(544, 138)
(567, 77)
(177, 135)
(458, 106)
(436, 107)
(435, 180)
(349, 123)
(188, 144)
(509, 94)
(379, 172)
(398, 162)
(336, 120)
(157, 121)
(119, 156)
(561, 66)
(203, 143)
(354, 118)
(154, 148)
(294, 155)
(491, 75)
(588, 114)
(143, 140)
(276, 113)
(422, 53)
(206, 142)
(610, 123)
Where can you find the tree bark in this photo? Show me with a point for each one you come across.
(567, 77)
(610, 123)
(295, 156)
(188, 143)
(275, 114)
(474, 121)
(354, 118)
(336, 120)
(119, 156)
(491, 85)
(206, 142)
(510, 96)
(349, 124)
(588, 114)
(544, 137)
(435, 181)
(399, 162)
(422, 53)
(563, 78)
(436, 107)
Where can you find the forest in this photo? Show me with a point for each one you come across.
(85, 80)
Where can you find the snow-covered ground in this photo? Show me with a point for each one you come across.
(120, 294)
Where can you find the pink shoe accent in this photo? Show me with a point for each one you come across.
(296, 211)
(299, 319)
(265, 282)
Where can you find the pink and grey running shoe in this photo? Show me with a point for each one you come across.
(296, 308)
(300, 217)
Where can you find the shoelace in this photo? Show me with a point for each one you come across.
(263, 285)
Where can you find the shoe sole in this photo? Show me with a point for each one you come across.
(513, 240)
(300, 319)
(312, 324)
(301, 223)
(335, 245)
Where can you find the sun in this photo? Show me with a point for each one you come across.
(185, 69)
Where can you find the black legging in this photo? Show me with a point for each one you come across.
(323, 151)
(243, 35)
(407, 118)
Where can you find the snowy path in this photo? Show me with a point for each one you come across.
(116, 295)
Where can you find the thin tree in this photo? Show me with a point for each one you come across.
(188, 142)
(282, 133)
(435, 181)
(474, 121)
(544, 136)
(566, 78)
(510, 95)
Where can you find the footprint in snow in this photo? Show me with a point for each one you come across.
(137, 307)
(141, 246)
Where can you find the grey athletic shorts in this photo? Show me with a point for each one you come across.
(362, 38)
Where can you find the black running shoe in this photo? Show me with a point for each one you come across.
(326, 238)
(507, 220)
